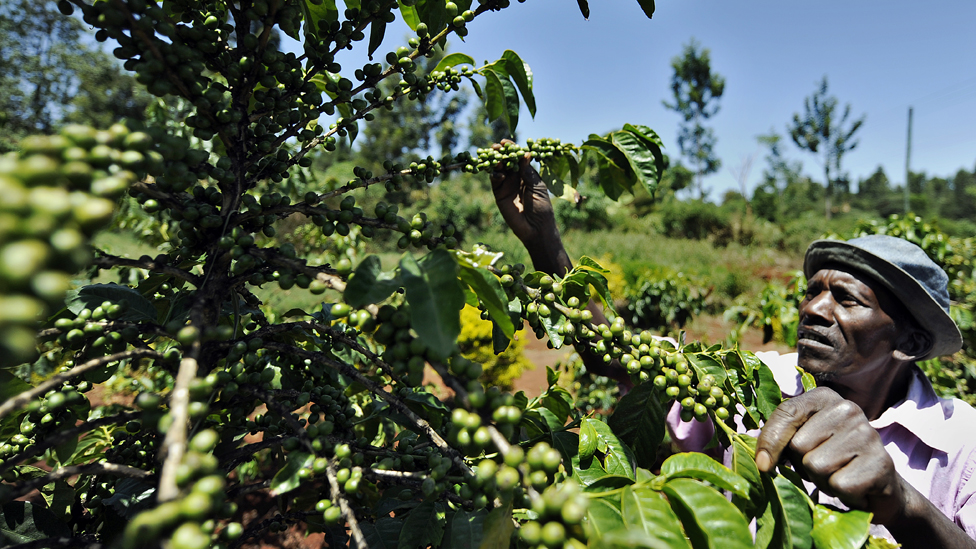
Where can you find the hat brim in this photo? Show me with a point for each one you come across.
(923, 307)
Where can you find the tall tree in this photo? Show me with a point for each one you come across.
(696, 92)
(49, 75)
(827, 133)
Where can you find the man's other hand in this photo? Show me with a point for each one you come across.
(523, 199)
(829, 440)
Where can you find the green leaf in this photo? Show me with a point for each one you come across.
(464, 530)
(584, 8)
(489, 290)
(88, 297)
(839, 529)
(744, 465)
(131, 496)
(495, 97)
(434, 14)
(377, 30)
(11, 386)
(768, 393)
(409, 14)
(498, 527)
(512, 105)
(607, 150)
(705, 365)
(313, 13)
(22, 522)
(619, 459)
(807, 380)
(452, 60)
(587, 439)
(710, 521)
(435, 298)
(786, 521)
(701, 467)
(549, 324)
(648, 512)
(647, 6)
(383, 534)
(423, 526)
(608, 483)
(558, 401)
(521, 74)
(602, 517)
(286, 479)
(638, 420)
(642, 161)
(653, 144)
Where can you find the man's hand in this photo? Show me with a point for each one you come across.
(523, 199)
(830, 440)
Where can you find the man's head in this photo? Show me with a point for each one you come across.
(870, 298)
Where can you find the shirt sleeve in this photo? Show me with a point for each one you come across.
(965, 516)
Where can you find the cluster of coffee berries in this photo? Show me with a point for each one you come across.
(509, 155)
(57, 191)
(559, 511)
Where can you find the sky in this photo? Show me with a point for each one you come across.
(880, 56)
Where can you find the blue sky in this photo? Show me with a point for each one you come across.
(879, 56)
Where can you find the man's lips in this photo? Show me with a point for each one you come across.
(809, 336)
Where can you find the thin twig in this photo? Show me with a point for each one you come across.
(174, 445)
(107, 261)
(22, 399)
(379, 391)
(347, 511)
(57, 438)
(113, 469)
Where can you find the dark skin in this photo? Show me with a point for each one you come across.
(852, 337)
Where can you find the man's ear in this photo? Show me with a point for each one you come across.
(912, 344)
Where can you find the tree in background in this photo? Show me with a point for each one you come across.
(779, 174)
(49, 76)
(696, 93)
(819, 131)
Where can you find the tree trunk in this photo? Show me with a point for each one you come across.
(828, 191)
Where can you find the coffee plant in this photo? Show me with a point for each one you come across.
(326, 412)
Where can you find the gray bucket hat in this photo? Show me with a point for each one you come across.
(905, 270)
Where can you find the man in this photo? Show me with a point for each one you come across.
(873, 435)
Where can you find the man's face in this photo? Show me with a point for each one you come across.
(845, 329)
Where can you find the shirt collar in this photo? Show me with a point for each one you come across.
(922, 413)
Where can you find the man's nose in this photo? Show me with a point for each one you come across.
(817, 307)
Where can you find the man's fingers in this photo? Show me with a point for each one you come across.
(785, 421)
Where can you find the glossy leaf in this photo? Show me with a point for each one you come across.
(409, 15)
(286, 479)
(619, 459)
(558, 401)
(434, 14)
(710, 520)
(706, 365)
(383, 534)
(435, 299)
(587, 471)
(648, 512)
(791, 514)
(584, 8)
(549, 324)
(642, 161)
(608, 483)
(452, 60)
(377, 30)
(768, 393)
(131, 496)
(521, 75)
(464, 530)
(647, 6)
(22, 522)
(11, 386)
(315, 12)
(602, 517)
(486, 286)
(369, 284)
(638, 420)
(497, 532)
(587, 439)
(423, 526)
(840, 529)
(494, 97)
(701, 467)
(140, 309)
(744, 465)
